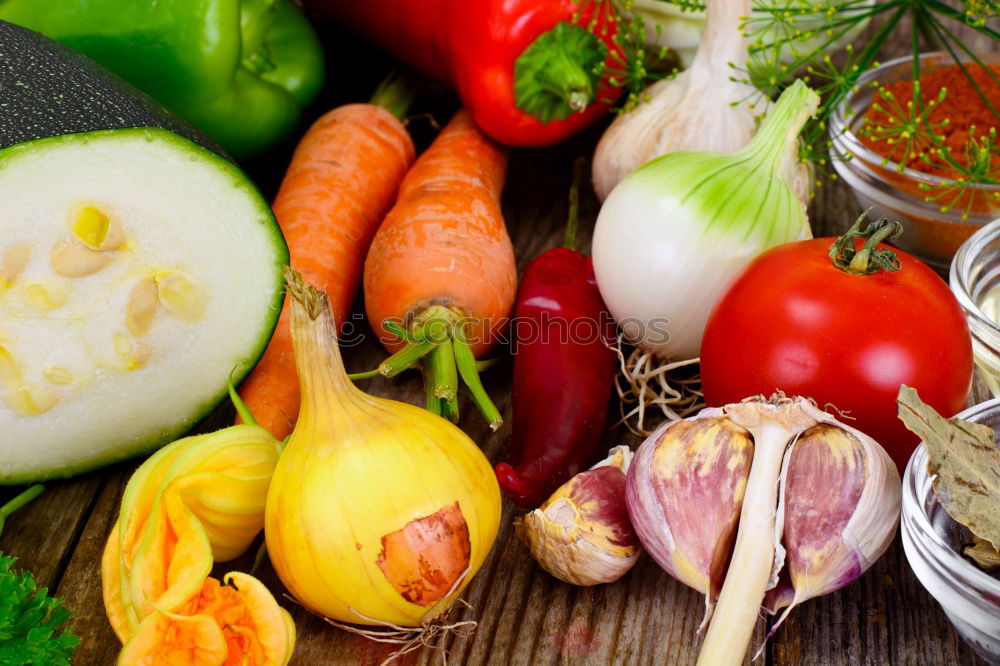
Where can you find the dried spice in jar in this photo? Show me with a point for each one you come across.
(914, 123)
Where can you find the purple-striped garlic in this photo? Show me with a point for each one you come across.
(761, 502)
(581, 534)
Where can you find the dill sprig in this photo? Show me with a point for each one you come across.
(788, 37)
(977, 11)
(634, 65)
(980, 167)
(907, 127)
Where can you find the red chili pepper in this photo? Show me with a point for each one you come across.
(563, 372)
(528, 71)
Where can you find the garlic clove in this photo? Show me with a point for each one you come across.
(833, 488)
(581, 534)
(702, 462)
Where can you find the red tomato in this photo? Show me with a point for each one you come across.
(795, 322)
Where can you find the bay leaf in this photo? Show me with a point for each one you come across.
(984, 554)
(964, 460)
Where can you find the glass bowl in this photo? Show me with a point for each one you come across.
(930, 234)
(969, 597)
(975, 281)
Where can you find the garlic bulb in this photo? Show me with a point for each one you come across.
(728, 499)
(702, 108)
(379, 512)
(581, 535)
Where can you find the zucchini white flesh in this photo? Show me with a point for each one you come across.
(108, 352)
(139, 270)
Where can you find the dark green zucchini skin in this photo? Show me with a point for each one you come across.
(47, 89)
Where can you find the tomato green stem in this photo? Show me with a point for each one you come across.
(870, 258)
(19, 501)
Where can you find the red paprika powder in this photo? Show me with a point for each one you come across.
(890, 120)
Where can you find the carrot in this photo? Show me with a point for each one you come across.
(342, 180)
(440, 274)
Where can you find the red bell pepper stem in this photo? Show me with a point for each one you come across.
(529, 71)
(563, 374)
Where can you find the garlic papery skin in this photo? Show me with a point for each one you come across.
(581, 534)
(820, 504)
(707, 107)
(379, 512)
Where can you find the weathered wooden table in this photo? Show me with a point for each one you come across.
(525, 616)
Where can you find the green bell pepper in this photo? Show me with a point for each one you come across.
(240, 71)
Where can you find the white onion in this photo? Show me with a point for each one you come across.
(673, 234)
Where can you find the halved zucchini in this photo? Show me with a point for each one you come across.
(139, 271)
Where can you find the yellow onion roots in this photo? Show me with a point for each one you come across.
(379, 512)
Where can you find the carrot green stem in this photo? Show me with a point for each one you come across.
(394, 94)
(405, 357)
(437, 339)
(466, 363)
(450, 409)
(399, 331)
(486, 364)
(432, 402)
(481, 366)
(445, 373)
(19, 501)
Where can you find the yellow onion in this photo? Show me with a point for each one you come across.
(379, 512)
(581, 534)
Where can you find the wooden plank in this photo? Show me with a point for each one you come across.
(43, 534)
(80, 586)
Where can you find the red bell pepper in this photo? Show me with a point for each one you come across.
(528, 71)
(563, 372)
